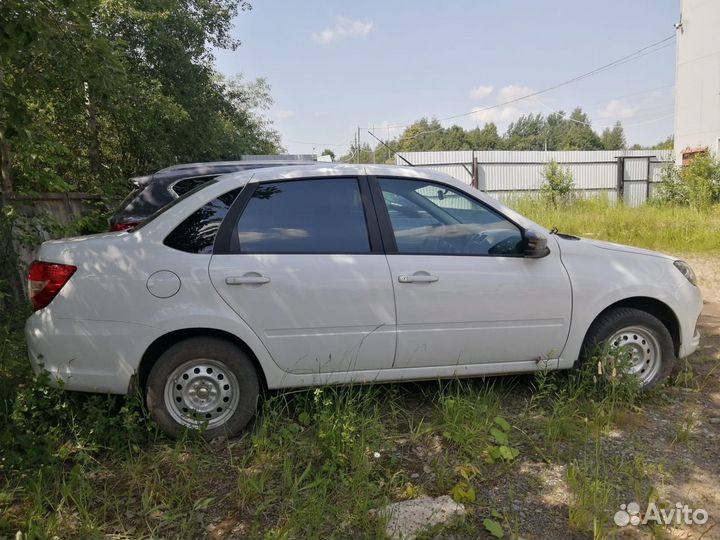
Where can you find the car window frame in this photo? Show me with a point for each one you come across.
(388, 233)
(227, 243)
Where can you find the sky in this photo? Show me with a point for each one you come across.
(334, 66)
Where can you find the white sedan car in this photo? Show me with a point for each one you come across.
(301, 276)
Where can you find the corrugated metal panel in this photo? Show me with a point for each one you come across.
(634, 193)
(656, 169)
(636, 169)
(502, 172)
(523, 176)
(529, 156)
(456, 171)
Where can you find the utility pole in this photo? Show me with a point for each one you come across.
(358, 146)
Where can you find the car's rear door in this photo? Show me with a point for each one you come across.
(464, 292)
(303, 266)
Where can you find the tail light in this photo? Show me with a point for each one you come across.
(45, 280)
(124, 226)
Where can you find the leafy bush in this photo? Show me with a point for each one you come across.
(48, 426)
(557, 185)
(696, 184)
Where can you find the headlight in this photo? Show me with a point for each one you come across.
(686, 271)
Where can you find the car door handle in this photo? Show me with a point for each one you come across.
(417, 278)
(247, 280)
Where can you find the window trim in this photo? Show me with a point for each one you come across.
(226, 243)
(388, 233)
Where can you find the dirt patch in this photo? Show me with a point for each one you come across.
(707, 268)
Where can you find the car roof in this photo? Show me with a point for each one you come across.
(237, 163)
(333, 170)
(210, 168)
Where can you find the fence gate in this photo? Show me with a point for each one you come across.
(635, 175)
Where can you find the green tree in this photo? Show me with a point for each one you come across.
(486, 138)
(328, 152)
(667, 144)
(613, 139)
(557, 184)
(422, 135)
(578, 133)
(528, 132)
(93, 91)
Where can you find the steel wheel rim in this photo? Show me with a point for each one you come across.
(639, 350)
(202, 391)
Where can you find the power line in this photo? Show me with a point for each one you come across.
(639, 53)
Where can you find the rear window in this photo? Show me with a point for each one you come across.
(196, 234)
(172, 203)
(185, 185)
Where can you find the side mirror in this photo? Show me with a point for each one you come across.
(535, 244)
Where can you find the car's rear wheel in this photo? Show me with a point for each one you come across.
(203, 383)
(636, 341)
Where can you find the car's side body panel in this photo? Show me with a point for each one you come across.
(482, 310)
(317, 313)
(95, 332)
(604, 274)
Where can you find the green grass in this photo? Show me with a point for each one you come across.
(672, 229)
(316, 463)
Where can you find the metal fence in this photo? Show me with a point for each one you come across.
(627, 175)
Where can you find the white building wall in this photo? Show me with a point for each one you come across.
(697, 86)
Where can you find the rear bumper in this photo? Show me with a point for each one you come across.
(84, 355)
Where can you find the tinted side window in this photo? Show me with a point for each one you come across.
(433, 219)
(183, 186)
(196, 234)
(305, 216)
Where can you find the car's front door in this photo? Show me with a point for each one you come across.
(306, 272)
(464, 293)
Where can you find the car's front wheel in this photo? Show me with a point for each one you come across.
(203, 383)
(637, 341)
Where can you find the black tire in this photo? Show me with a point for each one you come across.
(616, 319)
(222, 353)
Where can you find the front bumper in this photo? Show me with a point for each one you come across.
(690, 346)
(84, 355)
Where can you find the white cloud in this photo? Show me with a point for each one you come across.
(283, 114)
(513, 91)
(618, 110)
(502, 115)
(481, 92)
(344, 28)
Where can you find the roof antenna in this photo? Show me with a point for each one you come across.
(386, 146)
